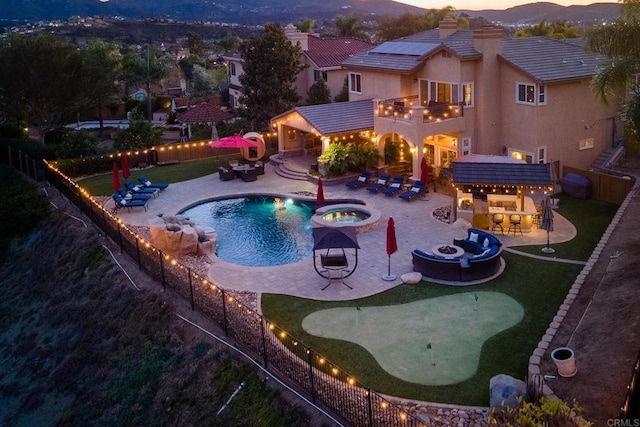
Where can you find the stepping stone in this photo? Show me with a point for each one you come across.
(411, 278)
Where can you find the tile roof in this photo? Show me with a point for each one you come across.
(204, 113)
(512, 174)
(548, 60)
(337, 117)
(330, 52)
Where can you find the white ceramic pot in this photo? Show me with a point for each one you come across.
(564, 358)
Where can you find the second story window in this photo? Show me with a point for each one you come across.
(355, 83)
(319, 75)
(467, 94)
(531, 94)
(232, 69)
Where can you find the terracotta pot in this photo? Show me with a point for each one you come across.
(564, 359)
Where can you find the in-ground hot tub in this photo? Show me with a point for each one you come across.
(363, 218)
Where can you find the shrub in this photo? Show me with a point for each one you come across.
(335, 159)
(548, 412)
(78, 144)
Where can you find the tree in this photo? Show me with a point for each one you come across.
(271, 66)
(351, 26)
(102, 66)
(230, 42)
(343, 95)
(305, 26)
(39, 79)
(139, 134)
(409, 23)
(559, 29)
(202, 82)
(195, 43)
(146, 67)
(78, 144)
(318, 93)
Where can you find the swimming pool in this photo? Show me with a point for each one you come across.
(258, 230)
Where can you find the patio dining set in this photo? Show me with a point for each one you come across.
(245, 171)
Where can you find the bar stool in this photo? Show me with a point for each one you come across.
(537, 218)
(515, 221)
(497, 219)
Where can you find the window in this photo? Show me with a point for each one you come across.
(521, 155)
(586, 144)
(467, 94)
(355, 83)
(319, 75)
(531, 94)
(542, 154)
(232, 68)
(466, 146)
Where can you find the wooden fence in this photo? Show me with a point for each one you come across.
(605, 187)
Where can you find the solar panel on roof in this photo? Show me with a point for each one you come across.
(404, 48)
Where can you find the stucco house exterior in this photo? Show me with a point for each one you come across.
(444, 93)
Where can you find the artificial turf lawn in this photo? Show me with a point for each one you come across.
(539, 286)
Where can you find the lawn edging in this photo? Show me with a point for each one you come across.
(543, 345)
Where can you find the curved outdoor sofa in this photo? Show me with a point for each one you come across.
(480, 261)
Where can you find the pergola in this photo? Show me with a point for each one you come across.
(203, 113)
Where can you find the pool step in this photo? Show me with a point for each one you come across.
(288, 169)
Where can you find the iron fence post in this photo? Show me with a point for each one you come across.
(369, 408)
(164, 283)
(264, 342)
(312, 387)
(191, 289)
(224, 313)
(138, 253)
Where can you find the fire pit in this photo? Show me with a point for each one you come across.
(448, 251)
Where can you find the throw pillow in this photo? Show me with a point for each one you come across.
(472, 247)
(147, 183)
(382, 181)
(362, 179)
(473, 237)
(485, 244)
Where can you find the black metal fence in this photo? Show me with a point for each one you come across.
(631, 407)
(283, 355)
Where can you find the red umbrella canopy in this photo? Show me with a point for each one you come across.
(116, 177)
(392, 244)
(124, 164)
(425, 173)
(320, 193)
(234, 141)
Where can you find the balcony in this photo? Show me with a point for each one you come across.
(407, 109)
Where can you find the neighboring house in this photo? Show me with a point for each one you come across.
(323, 58)
(138, 95)
(445, 93)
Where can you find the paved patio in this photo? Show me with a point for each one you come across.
(416, 228)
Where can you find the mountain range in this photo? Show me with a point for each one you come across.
(261, 11)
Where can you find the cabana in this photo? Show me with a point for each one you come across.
(503, 182)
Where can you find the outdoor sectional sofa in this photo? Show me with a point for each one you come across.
(480, 259)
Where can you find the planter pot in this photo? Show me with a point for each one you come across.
(564, 359)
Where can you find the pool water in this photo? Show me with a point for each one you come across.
(258, 230)
(347, 216)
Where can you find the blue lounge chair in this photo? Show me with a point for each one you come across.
(417, 189)
(131, 196)
(395, 186)
(362, 180)
(139, 189)
(382, 182)
(148, 184)
(122, 203)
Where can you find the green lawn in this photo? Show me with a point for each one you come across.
(539, 286)
(101, 185)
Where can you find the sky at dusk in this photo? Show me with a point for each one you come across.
(491, 4)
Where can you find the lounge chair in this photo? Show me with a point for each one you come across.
(131, 196)
(139, 189)
(382, 182)
(417, 189)
(362, 180)
(226, 174)
(122, 203)
(395, 186)
(148, 184)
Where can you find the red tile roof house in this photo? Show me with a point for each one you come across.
(444, 93)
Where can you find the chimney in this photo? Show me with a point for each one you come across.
(447, 26)
(488, 40)
(296, 36)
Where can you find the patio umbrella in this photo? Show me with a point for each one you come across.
(116, 177)
(335, 237)
(320, 193)
(124, 164)
(214, 132)
(392, 246)
(547, 222)
(425, 173)
(233, 141)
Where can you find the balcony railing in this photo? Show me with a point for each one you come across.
(408, 109)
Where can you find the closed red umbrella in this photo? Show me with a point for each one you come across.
(124, 164)
(116, 177)
(425, 173)
(392, 246)
(320, 193)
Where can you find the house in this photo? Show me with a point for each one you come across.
(445, 93)
(323, 58)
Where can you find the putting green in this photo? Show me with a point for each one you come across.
(398, 336)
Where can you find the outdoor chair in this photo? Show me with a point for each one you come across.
(417, 189)
(362, 180)
(122, 203)
(334, 262)
(514, 225)
(233, 163)
(395, 186)
(130, 196)
(259, 167)
(226, 174)
(249, 175)
(139, 189)
(148, 184)
(496, 222)
(380, 184)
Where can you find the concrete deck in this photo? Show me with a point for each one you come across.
(416, 228)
